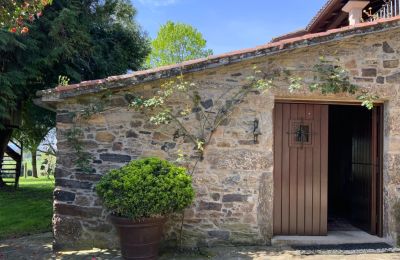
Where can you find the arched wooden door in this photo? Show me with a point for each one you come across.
(300, 169)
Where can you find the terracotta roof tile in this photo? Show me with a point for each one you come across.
(226, 58)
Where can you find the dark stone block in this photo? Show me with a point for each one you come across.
(131, 134)
(380, 80)
(145, 132)
(234, 198)
(65, 196)
(129, 98)
(236, 74)
(231, 80)
(232, 180)
(88, 177)
(246, 142)
(136, 123)
(210, 206)
(215, 196)
(73, 184)
(73, 210)
(61, 173)
(387, 48)
(363, 80)
(119, 158)
(370, 72)
(196, 109)
(167, 146)
(220, 234)
(65, 118)
(118, 102)
(117, 146)
(390, 64)
(207, 103)
(232, 102)
(86, 171)
(394, 78)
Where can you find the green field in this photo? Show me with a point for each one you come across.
(27, 210)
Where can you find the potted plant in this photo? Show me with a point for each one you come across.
(140, 195)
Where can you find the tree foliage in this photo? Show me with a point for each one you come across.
(175, 43)
(15, 13)
(78, 39)
(36, 124)
(82, 40)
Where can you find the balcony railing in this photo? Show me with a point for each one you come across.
(389, 9)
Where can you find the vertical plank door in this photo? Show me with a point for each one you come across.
(300, 169)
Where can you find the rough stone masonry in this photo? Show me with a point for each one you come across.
(234, 182)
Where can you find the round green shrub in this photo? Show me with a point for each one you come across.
(146, 188)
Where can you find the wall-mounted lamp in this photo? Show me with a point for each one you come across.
(256, 130)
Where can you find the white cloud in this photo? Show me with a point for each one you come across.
(158, 3)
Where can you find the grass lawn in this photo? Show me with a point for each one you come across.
(28, 210)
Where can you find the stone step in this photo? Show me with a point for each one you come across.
(333, 237)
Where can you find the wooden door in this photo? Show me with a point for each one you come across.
(300, 169)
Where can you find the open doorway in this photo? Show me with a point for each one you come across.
(353, 193)
(327, 168)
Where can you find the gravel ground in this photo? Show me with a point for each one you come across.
(38, 247)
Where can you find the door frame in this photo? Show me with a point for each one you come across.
(377, 154)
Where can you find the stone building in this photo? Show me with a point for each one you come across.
(284, 162)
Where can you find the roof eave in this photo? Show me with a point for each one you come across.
(118, 82)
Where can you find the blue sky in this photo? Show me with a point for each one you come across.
(229, 25)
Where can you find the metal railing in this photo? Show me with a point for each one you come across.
(389, 9)
(11, 165)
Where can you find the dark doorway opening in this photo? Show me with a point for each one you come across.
(351, 169)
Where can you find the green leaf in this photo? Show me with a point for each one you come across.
(175, 43)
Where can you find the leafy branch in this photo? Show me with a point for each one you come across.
(160, 108)
(329, 78)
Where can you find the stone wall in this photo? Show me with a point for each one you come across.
(234, 182)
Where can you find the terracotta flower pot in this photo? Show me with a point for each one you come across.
(139, 239)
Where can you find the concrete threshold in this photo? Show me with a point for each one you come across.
(333, 238)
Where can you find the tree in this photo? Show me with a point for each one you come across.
(15, 13)
(82, 40)
(175, 43)
(36, 124)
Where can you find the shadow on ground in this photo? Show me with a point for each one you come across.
(38, 247)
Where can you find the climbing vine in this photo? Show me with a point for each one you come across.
(329, 78)
(161, 108)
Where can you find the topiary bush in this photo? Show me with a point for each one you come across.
(146, 188)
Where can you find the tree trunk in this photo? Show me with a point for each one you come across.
(34, 163)
(5, 136)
